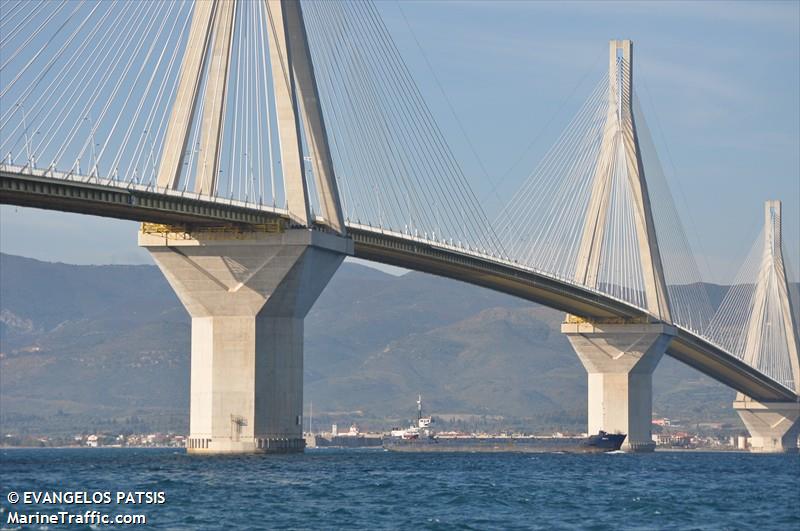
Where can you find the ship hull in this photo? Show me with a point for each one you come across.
(580, 445)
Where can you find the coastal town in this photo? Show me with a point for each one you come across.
(667, 434)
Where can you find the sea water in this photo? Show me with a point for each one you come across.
(374, 489)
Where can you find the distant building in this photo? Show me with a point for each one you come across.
(678, 439)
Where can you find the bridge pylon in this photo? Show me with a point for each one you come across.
(249, 289)
(772, 326)
(203, 86)
(619, 356)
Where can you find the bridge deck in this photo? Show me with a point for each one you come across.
(112, 199)
(687, 347)
(116, 200)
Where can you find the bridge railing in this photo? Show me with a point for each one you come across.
(493, 258)
(52, 173)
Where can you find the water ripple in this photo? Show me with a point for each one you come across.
(380, 490)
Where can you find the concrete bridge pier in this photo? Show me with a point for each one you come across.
(620, 360)
(248, 294)
(774, 426)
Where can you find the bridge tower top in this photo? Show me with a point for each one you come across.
(772, 326)
(619, 164)
(773, 243)
(203, 88)
(620, 73)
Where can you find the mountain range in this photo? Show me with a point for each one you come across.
(92, 348)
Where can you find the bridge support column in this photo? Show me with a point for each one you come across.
(248, 296)
(774, 426)
(620, 360)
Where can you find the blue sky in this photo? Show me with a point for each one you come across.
(719, 83)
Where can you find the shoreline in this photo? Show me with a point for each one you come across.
(323, 448)
(89, 447)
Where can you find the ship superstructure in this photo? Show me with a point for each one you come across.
(422, 426)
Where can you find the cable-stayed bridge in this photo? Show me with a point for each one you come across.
(261, 142)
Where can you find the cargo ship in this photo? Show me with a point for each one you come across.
(422, 438)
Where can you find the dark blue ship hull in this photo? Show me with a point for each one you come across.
(602, 442)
